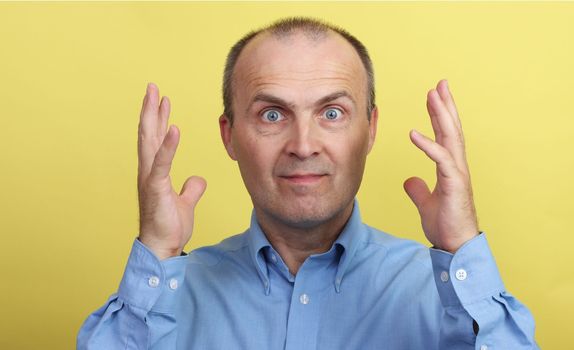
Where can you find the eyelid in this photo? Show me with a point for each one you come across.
(335, 107)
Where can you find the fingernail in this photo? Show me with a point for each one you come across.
(446, 82)
(148, 87)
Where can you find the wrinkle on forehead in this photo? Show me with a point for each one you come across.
(258, 81)
(329, 70)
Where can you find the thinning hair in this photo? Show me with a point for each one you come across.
(314, 29)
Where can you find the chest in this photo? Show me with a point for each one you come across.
(370, 311)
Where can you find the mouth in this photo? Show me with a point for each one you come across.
(304, 178)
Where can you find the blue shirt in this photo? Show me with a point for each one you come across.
(371, 290)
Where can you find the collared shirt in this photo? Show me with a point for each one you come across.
(371, 290)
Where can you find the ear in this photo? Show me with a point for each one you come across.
(225, 129)
(373, 127)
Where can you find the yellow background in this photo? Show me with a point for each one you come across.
(72, 76)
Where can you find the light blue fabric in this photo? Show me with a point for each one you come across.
(369, 291)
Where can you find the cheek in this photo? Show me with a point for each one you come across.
(351, 149)
(350, 157)
(254, 155)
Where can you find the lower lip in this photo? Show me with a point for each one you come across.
(307, 179)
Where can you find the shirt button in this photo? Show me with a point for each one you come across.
(273, 258)
(173, 283)
(460, 274)
(444, 276)
(483, 347)
(304, 299)
(153, 281)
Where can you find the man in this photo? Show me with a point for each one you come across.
(300, 119)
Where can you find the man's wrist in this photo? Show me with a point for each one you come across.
(160, 252)
(453, 246)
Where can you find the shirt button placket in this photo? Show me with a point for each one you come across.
(444, 276)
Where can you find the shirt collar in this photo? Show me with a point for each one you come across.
(350, 237)
(256, 240)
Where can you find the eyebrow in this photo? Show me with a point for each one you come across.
(264, 97)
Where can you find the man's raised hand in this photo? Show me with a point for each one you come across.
(166, 217)
(448, 214)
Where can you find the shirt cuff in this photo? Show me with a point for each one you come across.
(467, 276)
(149, 283)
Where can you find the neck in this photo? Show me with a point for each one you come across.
(295, 244)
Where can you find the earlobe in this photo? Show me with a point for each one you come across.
(373, 127)
(225, 129)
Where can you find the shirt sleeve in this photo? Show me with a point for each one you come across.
(141, 314)
(479, 313)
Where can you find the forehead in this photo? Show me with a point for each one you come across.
(298, 65)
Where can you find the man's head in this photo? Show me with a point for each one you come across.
(302, 120)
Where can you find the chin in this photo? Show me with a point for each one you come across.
(306, 213)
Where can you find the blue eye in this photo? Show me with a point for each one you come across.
(332, 113)
(271, 115)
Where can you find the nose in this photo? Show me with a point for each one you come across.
(304, 139)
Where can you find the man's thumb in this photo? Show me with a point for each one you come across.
(417, 190)
(193, 189)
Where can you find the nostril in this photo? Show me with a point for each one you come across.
(303, 142)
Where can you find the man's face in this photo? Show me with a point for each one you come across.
(300, 132)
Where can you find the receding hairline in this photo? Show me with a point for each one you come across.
(285, 29)
(287, 38)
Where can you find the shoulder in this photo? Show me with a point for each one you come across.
(402, 263)
(213, 254)
(395, 250)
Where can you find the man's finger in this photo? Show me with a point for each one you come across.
(435, 124)
(148, 140)
(446, 166)
(164, 110)
(150, 111)
(164, 156)
(417, 190)
(193, 189)
(444, 92)
(451, 135)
